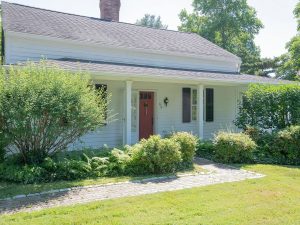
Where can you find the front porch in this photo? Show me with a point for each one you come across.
(128, 122)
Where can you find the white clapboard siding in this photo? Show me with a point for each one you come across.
(225, 110)
(167, 118)
(22, 48)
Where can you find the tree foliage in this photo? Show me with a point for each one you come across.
(288, 64)
(43, 110)
(270, 107)
(151, 21)
(231, 24)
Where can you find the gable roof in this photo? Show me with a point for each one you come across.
(36, 21)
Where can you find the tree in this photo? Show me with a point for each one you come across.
(288, 64)
(1, 37)
(231, 24)
(151, 21)
(43, 110)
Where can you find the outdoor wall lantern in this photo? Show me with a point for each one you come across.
(166, 101)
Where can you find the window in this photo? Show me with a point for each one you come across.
(209, 108)
(194, 105)
(186, 105)
(103, 94)
(134, 111)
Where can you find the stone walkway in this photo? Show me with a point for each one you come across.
(218, 173)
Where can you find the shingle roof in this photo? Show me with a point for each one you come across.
(25, 19)
(137, 71)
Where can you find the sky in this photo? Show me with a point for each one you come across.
(276, 15)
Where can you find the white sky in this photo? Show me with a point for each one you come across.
(276, 15)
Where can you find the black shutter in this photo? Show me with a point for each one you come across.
(186, 105)
(209, 105)
(103, 88)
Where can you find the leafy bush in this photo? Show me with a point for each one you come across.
(188, 143)
(233, 147)
(118, 162)
(27, 174)
(286, 147)
(205, 149)
(154, 156)
(2, 149)
(270, 107)
(43, 109)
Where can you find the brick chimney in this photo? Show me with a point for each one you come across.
(110, 9)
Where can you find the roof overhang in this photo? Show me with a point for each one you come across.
(123, 72)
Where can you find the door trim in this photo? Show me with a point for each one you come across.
(154, 92)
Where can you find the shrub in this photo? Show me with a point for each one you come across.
(2, 149)
(27, 174)
(43, 109)
(154, 156)
(205, 149)
(286, 147)
(270, 107)
(188, 143)
(118, 162)
(233, 147)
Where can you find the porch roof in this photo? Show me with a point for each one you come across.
(129, 71)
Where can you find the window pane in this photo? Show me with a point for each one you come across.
(186, 105)
(194, 112)
(194, 101)
(134, 99)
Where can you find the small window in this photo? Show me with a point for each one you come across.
(186, 105)
(209, 94)
(194, 105)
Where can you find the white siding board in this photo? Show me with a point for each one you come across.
(167, 119)
(225, 103)
(22, 49)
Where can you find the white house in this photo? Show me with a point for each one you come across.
(160, 80)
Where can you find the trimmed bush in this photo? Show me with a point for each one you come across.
(286, 147)
(233, 147)
(43, 110)
(155, 156)
(272, 107)
(188, 143)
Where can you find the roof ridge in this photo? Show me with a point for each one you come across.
(94, 18)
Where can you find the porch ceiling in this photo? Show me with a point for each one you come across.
(138, 72)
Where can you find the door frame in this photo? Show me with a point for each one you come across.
(155, 113)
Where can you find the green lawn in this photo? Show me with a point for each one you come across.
(12, 189)
(274, 199)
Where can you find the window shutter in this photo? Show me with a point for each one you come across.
(103, 95)
(209, 105)
(186, 105)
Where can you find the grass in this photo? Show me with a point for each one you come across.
(12, 189)
(273, 199)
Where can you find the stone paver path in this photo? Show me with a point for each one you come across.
(218, 173)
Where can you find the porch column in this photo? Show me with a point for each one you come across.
(128, 112)
(200, 111)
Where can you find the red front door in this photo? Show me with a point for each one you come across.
(146, 114)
